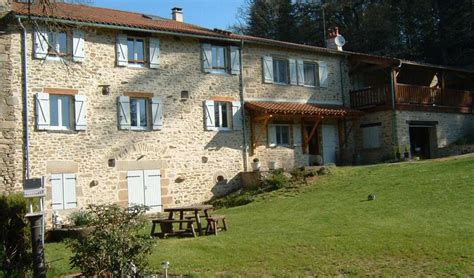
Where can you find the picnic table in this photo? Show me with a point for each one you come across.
(196, 209)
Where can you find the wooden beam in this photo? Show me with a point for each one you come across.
(307, 138)
(252, 137)
(262, 117)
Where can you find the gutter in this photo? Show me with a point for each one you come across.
(24, 69)
(242, 104)
(118, 27)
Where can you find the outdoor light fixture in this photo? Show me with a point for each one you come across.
(105, 89)
(165, 265)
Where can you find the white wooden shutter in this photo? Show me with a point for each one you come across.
(272, 140)
(206, 57)
(78, 51)
(154, 53)
(300, 66)
(41, 44)
(296, 135)
(122, 50)
(267, 63)
(293, 76)
(123, 109)
(236, 115)
(136, 191)
(234, 60)
(323, 75)
(209, 115)
(80, 111)
(69, 185)
(153, 189)
(157, 113)
(43, 119)
(57, 195)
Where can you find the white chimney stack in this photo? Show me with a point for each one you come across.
(177, 14)
(334, 39)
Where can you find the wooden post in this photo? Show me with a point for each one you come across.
(342, 138)
(304, 135)
(252, 136)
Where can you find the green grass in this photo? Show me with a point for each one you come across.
(421, 223)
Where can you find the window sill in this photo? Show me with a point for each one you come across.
(139, 129)
(221, 72)
(136, 66)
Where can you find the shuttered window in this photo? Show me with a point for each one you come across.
(222, 115)
(57, 43)
(309, 74)
(220, 59)
(136, 51)
(60, 111)
(131, 51)
(139, 113)
(371, 137)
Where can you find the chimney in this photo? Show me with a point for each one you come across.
(334, 39)
(177, 14)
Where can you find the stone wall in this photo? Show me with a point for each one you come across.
(449, 128)
(190, 159)
(257, 90)
(386, 149)
(9, 119)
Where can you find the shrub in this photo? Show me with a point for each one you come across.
(277, 180)
(15, 258)
(79, 218)
(114, 245)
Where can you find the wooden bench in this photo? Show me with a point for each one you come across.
(213, 224)
(167, 228)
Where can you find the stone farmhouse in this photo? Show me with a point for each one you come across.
(113, 106)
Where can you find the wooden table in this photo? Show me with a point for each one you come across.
(195, 209)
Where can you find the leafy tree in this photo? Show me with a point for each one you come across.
(114, 244)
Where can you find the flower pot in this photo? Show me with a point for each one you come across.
(272, 165)
(255, 166)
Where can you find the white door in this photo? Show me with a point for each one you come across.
(144, 188)
(330, 142)
(152, 179)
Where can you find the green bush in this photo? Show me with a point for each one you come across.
(114, 245)
(79, 218)
(277, 180)
(15, 257)
(235, 199)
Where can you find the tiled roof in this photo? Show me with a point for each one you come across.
(95, 15)
(301, 109)
(88, 14)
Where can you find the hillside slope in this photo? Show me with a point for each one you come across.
(421, 223)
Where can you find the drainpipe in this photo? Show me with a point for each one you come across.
(343, 104)
(24, 69)
(242, 104)
(394, 110)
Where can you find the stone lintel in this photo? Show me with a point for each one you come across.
(59, 167)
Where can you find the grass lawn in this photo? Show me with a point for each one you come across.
(421, 223)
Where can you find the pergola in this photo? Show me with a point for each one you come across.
(307, 114)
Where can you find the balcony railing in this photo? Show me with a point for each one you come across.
(412, 95)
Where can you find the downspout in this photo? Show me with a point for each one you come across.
(24, 69)
(394, 110)
(242, 105)
(344, 122)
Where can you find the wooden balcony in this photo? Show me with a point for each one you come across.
(411, 97)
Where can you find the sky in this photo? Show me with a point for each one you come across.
(206, 13)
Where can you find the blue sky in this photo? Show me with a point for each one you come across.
(207, 13)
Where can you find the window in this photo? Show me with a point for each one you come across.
(219, 58)
(63, 191)
(138, 113)
(57, 43)
(136, 50)
(223, 114)
(60, 111)
(309, 74)
(371, 136)
(280, 71)
(282, 135)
